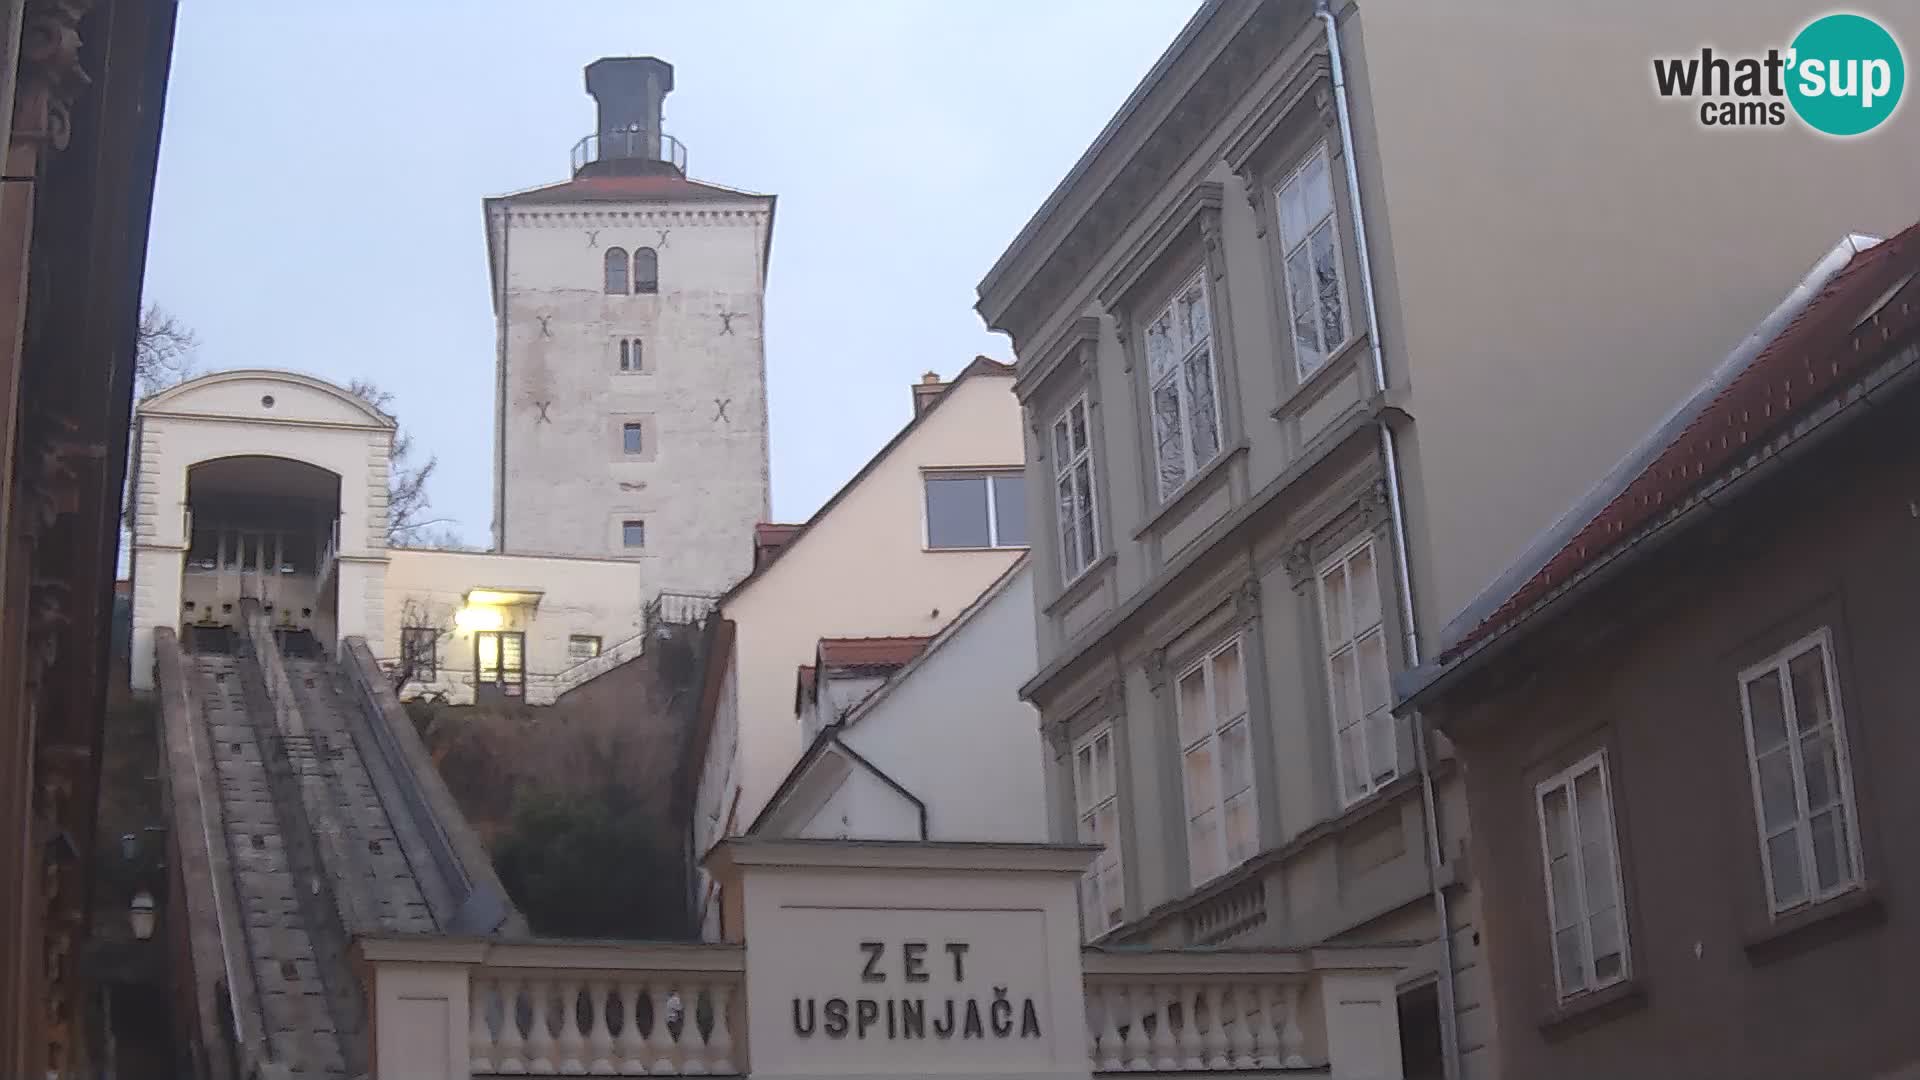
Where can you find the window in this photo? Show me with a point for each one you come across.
(630, 354)
(976, 510)
(616, 265)
(630, 438)
(1073, 486)
(419, 652)
(1310, 245)
(633, 534)
(1802, 782)
(1366, 739)
(499, 663)
(582, 647)
(646, 271)
(1216, 763)
(1584, 908)
(1096, 803)
(1186, 410)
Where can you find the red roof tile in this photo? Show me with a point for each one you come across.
(665, 187)
(1802, 366)
(871, 652)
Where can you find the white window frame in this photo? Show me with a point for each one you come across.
(631, 355)
(1290, 245)
(1087, 806)
(1215, 726)
(1192, 463)
(1778, 663)
(1596, 761)
(992, 476)
(1066, 473)
(639, 432)
(1331, 651)
(624, 522)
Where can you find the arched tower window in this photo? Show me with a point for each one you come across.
(646, 271)
(617, 271)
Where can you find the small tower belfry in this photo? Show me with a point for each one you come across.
(630, 399)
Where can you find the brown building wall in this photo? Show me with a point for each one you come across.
(1648, 669)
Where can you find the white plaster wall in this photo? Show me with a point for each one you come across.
(224, 415)
(701, 482)
(864, 808)
(601, 597)
(862, 570)
(954, 732)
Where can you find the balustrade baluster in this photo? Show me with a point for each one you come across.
(1293, 1042)
(1216, 996)
(479, 1037)
(1165, 1047)
(720, 1044)
(572, 1044)
(600, 1039)
(509, 1052)
(539, 1035)
(635, 1054)
(1266, 1053)
(1109, 1051)
(1136, 1046)
(1193, 1046)
(693, 1044)
(1245, 1005)
(665, 1044)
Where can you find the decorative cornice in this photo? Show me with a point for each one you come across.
(1068, 350)
(1299, 563)
(50, 75)
(606, 217)
(1198, 209)
(1246, 601)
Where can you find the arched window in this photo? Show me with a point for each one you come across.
(617, 271)
(646, 271)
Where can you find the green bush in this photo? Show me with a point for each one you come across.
(591, 864)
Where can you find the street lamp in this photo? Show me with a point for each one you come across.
(141, 914)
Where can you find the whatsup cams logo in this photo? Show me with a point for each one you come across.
(1842, 75)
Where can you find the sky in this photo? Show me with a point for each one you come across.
(322, 167)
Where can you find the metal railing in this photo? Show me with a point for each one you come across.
(622, 145)
(679, 609)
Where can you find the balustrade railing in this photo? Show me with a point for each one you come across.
(635, 1012)
(1143, 1014)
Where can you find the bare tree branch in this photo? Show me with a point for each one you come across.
(407, 499)
(163, 352)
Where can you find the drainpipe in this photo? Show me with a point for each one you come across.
(1423, 758)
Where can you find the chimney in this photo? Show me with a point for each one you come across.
(924, 391)
(628, 91)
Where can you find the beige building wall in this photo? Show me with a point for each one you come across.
(550, 599)
(861, 568)
(1562, 254)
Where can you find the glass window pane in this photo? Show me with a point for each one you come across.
(1308, 354)
(1010, 509)
(1596, 868)
(1353, 761)
(1769, 716)
(1062, 447)
(1236, 759)
(1556, 822)
(1345, 693)
(1170, 453)
(1195, 719)
(1789, 880)
(1821, 769)
(1070, 558)
(616, 271)
(1374, 692)
(1808, 672)
(1229, 684)
(1161, 351)
(1202, 408)
(1333, 606)
(646, 271)
(1203, 847)
(630, 438)
(1326, 280)
(1609, 951)
(1242, 829)
(1832, 852)
(1777, 806)
(633, 534)
(1566, 892)
(1568, 950)
(1296, 211)
(1316, 185)
(1383, 751)
(1365, 582)
(1203, 792)
(1196, 322)
(1083, 496)
(957, 512)
(1077, 419)
(1083, 778)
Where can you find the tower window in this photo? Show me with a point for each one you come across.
(630, 354)
(630, 438)
(616, 264)
(646, 271)
(633, 534)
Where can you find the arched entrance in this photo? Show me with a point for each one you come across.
(267, 529)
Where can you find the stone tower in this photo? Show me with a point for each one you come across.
(630, 402)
